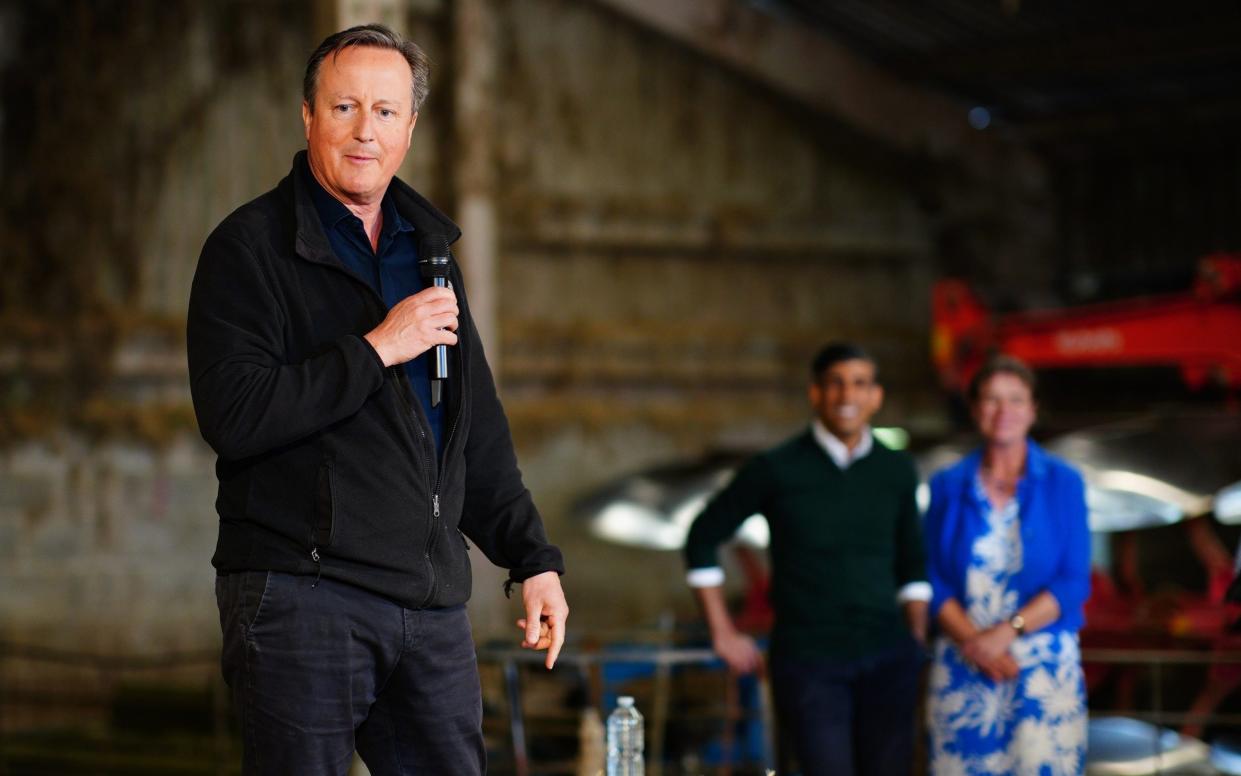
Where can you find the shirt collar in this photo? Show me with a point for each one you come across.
(837, 450)
(393, 221)
(332, 211)
(1036, 461)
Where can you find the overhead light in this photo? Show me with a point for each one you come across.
(684, 513)
(625, 522)
(892, 436)
(755, 531)
(1119, 510)
(1228, 504)
(1190, 504)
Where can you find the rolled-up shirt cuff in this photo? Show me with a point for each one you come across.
(712, 576)
(914, 591)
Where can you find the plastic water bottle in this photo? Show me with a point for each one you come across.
(625, 739)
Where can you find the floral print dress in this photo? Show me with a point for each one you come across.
(1034, 724)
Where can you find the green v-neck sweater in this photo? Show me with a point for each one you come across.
(842, 544)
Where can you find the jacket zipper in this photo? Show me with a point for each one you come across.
(439, 474)
(403, 389)
(314, 542)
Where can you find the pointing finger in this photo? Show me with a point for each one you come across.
(557, 641)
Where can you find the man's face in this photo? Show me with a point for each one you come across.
(846, 397)
(362, 122)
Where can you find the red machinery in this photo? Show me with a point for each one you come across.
(1198, 331)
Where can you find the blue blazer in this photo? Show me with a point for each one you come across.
(1054, 534)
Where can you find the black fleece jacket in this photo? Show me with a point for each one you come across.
(326, 465)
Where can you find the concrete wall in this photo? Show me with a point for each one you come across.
(130, 131)
(105, 545)
(674, 244)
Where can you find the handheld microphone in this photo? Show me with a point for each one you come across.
(433, 264)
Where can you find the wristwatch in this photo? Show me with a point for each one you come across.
(1019, 624)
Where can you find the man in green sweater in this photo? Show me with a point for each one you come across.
(848, 583)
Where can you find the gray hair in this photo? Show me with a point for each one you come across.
(373, 36)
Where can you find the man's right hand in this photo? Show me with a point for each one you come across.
(739, 651)
(415, 325)
(734, 647)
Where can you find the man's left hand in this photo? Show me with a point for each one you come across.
(546, 612)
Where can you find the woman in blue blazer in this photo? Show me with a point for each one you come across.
(1008, 555)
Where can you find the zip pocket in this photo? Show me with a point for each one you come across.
(325, 505)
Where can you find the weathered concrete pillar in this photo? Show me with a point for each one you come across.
(332, 15)
(474, 61)
(473, 141)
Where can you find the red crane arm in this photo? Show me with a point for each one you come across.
(1198, 331)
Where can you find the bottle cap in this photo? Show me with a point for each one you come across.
(625, 701)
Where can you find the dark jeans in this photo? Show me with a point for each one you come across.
(318, 670)
(850, 716)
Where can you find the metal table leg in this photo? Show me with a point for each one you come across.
(517, 722)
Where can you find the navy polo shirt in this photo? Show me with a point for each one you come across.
(392, 271)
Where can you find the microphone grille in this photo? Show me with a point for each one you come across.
(436, 246)
(433, 261)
